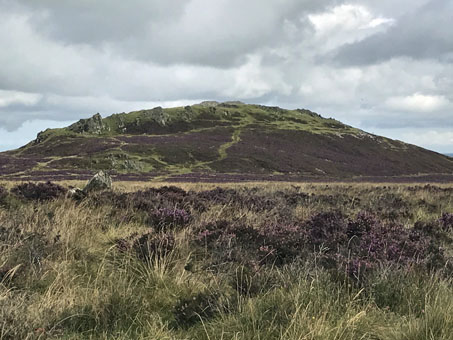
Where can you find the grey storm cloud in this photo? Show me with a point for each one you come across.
(420, 34)
(210, 33)
(374, 64)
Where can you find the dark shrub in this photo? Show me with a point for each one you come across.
(427, 228)
(38, 192)
(359, 246)
(169, 217)
(209, 233)
(282, 242)
(356, 246)
(293, 198)
(159, 198)
(191, 310)
(238, 243)
(219, 195)
(392, 243)
(109, 197)
(144, 200)
(361, 225)
(3, 194)
(151, 246)
(123, 245)
(446, 221)
(229, 241)
(327, 229)
(273, 243)
(170, 190)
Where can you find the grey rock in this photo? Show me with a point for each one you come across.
(123, 162)
(93, 125)
(158, 115)
(100, 181)
(209, 104)
(41, 137)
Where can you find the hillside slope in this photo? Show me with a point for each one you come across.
(211, 140)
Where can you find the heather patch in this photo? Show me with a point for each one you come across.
(3, 194)
(164, 218)
(281, 261)
(446, 221)
(356, 246)
(39, 192)
(153, 245)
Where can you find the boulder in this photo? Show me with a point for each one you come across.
(100, 181)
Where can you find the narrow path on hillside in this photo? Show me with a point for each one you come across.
(235, 138)
(222, 151)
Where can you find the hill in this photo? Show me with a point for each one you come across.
(219, 141)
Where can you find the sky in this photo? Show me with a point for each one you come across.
(384, 66)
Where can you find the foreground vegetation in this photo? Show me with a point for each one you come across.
(269, 261)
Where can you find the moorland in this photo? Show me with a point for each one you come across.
(229, 261)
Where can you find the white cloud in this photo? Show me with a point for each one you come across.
(417, 103)
(346, 24)
(346, 17)
(64, 60)
(8, 98)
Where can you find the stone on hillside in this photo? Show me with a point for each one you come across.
(100, 181)
(76, 194)
(158, 115)
(93, 125)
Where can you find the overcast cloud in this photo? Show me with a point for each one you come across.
(384, 66)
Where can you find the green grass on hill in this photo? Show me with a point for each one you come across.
(218, 138)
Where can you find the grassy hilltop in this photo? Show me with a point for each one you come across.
(224, 141)
(240, 262)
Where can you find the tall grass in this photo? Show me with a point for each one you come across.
(63, 274)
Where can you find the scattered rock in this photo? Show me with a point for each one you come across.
(100, 181)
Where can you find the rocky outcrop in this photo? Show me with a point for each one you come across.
(158, 115)
(123, 162)
(209, 103)
(93, 125)
(100, 181)
(41, 137)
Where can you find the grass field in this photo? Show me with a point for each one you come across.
(227, 261)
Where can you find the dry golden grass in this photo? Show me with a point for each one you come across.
(66, 278)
